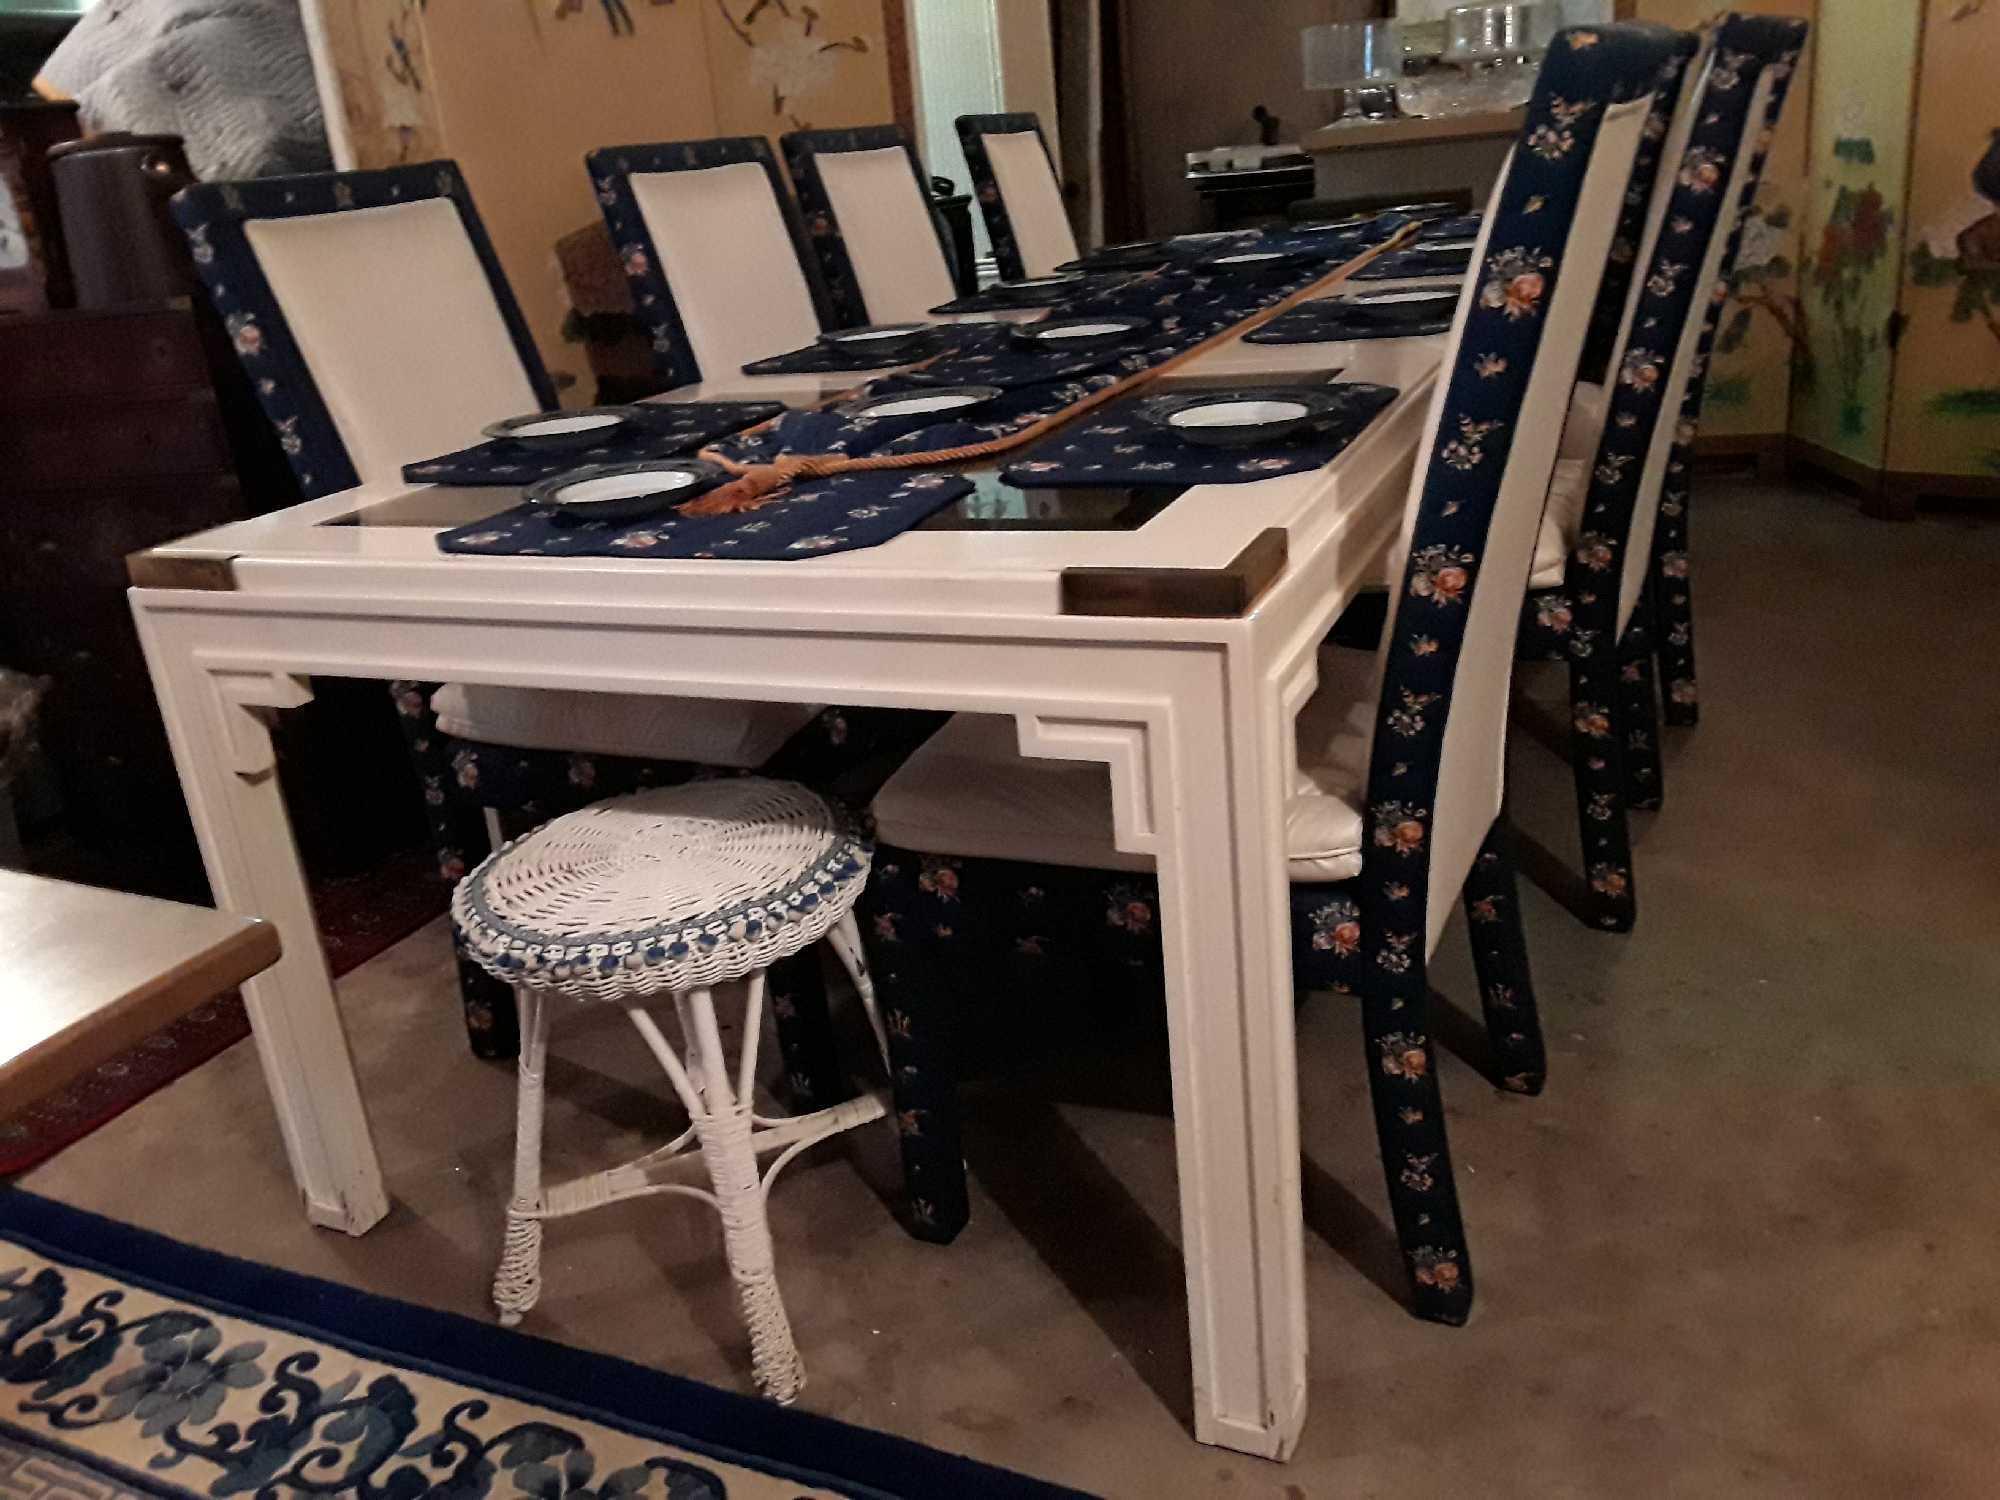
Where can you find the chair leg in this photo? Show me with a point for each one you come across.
(517, 1285)
(1500, 955)
(1416, 1158)
(1597, 764)
(1639, 723)
(918, 1025)
(805, 1033)
(1673, 613)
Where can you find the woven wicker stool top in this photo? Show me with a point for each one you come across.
(676, 888)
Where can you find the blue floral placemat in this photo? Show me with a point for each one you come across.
(810, 520)
(654, 430)
(827, 359)
(1417, 261)
(1463, 227)
(1123, 448)
(1328, 320)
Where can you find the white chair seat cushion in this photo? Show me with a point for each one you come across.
(1562, 519)
(970, 791)
(705, 731)
(1589, 407)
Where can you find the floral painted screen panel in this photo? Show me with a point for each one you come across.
(1864, 74)
(1945, 408)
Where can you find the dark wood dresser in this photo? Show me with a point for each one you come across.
(112, 438)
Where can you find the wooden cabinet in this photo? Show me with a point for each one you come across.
(112, 438)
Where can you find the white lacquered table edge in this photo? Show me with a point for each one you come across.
(1192, 718)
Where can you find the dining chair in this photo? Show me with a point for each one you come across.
(1014, 179)
(715, 252)
(998, 876)
(378, 328)
(1624, 464)
(881, 252)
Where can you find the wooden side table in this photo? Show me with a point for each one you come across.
(85, 973)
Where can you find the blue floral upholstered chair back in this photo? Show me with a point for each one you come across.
(370, 312)
(1684, 272)
(1435, 779)
(715, 253)
(1394, 805)
(1762, 37)
(867, 214)
(1624, 466)
(1014, 179)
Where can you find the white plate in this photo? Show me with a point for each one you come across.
(560, 426)
(1237, 414)
(1247, 257)
(1035, 281)
(863, 335)
(586, 492)
(1379, 299)
(912, 406)
(1079, 331)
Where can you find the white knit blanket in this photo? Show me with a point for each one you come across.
(233, 77)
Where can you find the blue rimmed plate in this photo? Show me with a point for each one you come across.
(1071, 334)
(944, 402)
(885, 339)
(1239, 418)
(584, 427)
(620, 492)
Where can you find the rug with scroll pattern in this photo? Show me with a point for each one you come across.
(131, 1364)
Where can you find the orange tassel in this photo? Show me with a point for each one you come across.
(752, 490)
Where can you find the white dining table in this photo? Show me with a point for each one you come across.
(1176, 653)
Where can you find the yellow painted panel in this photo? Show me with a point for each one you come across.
(776, 68)
(1945, 409)
(386, 95)
(526, 87)
(1749, 382)
(1863, 80)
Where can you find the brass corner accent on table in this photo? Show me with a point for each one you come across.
(1224, 593)
(163, 570)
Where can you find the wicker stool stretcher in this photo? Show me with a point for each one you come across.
(675, 891)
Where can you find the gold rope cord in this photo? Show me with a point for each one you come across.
(756, 485)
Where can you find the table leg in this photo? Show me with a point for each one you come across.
(1200, 789)
(222, 747)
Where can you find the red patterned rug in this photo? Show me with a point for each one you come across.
(359, 916)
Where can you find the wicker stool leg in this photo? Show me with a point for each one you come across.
(518, 1283)
(845, 936)
(722, 1123)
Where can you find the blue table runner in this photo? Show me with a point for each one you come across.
(653, 430)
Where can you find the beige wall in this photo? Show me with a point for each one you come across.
(519, 90)
(1196, 68)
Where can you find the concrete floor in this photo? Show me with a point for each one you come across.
(1744, 1244)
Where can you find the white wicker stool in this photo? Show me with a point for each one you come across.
(673, 891)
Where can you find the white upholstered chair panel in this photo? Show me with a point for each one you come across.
(1646, 508)
(396, 322)
(891, 241)
(1471, 772)
(1027, 186)
(729, 257)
